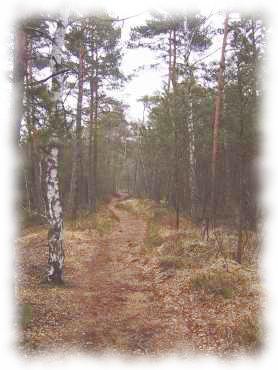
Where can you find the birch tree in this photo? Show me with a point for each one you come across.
(54, 206)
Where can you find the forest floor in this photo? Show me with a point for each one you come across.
(136, 286)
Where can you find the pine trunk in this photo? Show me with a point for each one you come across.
(176, 134)
(37, 199)
(216, 123)
(77, 155)
(93, 132)
(241, 173)
(192, 163)
(95, 152)
(20, 67)
(92, 155)
(90, 149)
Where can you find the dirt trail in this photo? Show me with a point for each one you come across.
(116, 302)
(122, 309)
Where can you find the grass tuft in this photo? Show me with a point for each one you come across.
(217, 282)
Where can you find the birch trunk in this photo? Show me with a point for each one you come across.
(55, 216)
(54, 206)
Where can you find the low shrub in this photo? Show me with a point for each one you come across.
(249, 332)
(159, 213)
(29, 218)
(153, 238)
(221, 283)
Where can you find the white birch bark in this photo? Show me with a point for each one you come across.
(54, 205)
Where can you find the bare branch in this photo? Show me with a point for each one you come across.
(52, 75)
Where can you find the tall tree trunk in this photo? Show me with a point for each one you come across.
(227, 167)
(19, 72)
(177, 195)
(37, 199)
(141, 162)
(173, 114)
(240, 218)
(192, 162)
(90, 149)
(241, 162)
(170, 61)
(34, 155)
(95, 147)
(54, 205)
(77, 154)
(93, 142)
(216, 124)
(27, 198)
(135, 176)
(93, 132)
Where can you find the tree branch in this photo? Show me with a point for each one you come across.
(52, 75)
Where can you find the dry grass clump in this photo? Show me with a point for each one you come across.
(249, 332)
(217, 280)
(153, 238)
(171, 262)
(123, 205)
(142, 207)
(102, 221)
(28, 218)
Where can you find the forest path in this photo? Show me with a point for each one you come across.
(117, 293)
(122, 307)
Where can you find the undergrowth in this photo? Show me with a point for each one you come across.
(250, 332)
(102, 221)
(226, 284)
